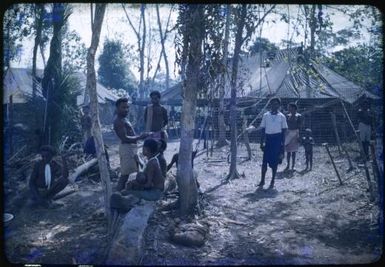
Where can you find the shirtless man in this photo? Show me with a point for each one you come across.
(128, 147)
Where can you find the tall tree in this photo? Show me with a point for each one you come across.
(247, 18)
(114, 65)
(39, 16)
(91, 87)
(193, 34)
(163, 51)
(241, 18)
(53, 74)
(221, 112)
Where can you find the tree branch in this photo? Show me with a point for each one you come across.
(129, 21)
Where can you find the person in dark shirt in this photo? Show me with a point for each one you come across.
(48, 177)
(156, 118)
(365, 125)
(308, 142)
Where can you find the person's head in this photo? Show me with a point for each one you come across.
(292, 107)
(155, 97)
(150, 148)
(162, 145)
(307, 132)
(47, 152)
(122, 106)
(275, 103)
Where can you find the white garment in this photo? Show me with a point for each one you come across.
(47, 173)
(273, 123)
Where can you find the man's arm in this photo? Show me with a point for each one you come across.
(120, 131)
(262, 138)
(173, 160)
(165, 117)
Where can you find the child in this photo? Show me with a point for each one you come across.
(308, 142)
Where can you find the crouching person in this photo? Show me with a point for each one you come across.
(148, 185)
(48, 178)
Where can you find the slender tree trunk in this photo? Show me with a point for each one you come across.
(186, 182)
(233, 83)
(141, 52)
(163, 52)
(39, 13)
(91, 88)
(313, 25)
(42, 54)
(221, 112)
(52, 71)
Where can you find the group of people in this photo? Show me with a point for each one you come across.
(279, 133)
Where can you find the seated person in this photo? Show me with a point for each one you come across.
(175, 160)
(48, 177)
(148, 185)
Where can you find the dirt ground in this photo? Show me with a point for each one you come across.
(308, 218)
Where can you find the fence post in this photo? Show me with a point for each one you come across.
(365, 166)
(334, 165)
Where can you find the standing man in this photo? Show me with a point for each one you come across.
(294, 123)
(156, 118)
(365, 123)
(48, 177)
(273, 126)
(128, 147)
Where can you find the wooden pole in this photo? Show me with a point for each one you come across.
(376, 170)
(365, 166)
(351, 167)
(246, 137)
(10, 125)
(334, 122)
(332, 160)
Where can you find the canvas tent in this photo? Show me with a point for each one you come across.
(18, 83)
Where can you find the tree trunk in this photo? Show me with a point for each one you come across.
(39, 13)
(91, 88)
(141, 52)
(233, 83)
(187, 186)
(221, 112)
(313, 25)
(52, 71)
(163, 52)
